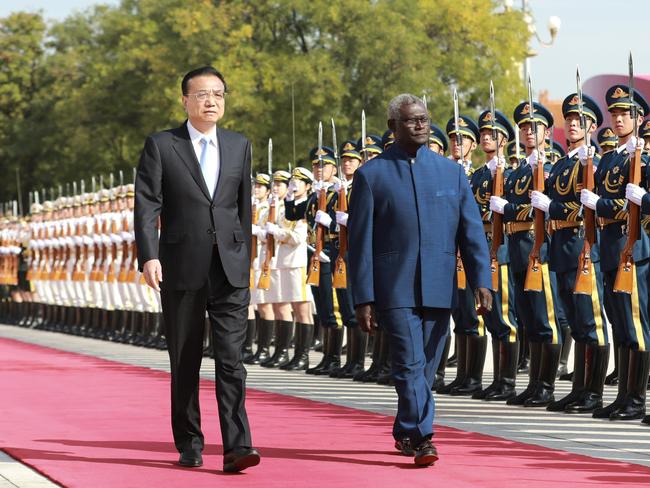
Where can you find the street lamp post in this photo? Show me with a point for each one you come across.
(553, 25)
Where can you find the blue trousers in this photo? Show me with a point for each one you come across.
(323, 293)
(417, 338)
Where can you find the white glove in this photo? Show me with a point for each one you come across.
(498, 204)
(258, 231)
(631, 144)
(322, 257)
(317, 185)
(323, 219)
(342, 218)
(467, 165)
(291, 189)
(634, 193)
(271, 228)
(540, 201)
(589, 199)
(493, 163)
(534, 159)
(583, 154)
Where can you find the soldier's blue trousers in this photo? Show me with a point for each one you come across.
(417, 338)
(584, 312)
(323, 294)
(344, 295)
(629, 313)
(535, 310)
(500, 322)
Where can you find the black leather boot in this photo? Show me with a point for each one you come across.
(475, 358)
(612, 378)
(439, 380)
(332, 357)
(508, 361)
(461, 351)
(623, 364)
(349, 353)
(359, 345)
(384, 373)
(480, 395)
(247, 348)
(535, 349)
(562, 370)
(578, 385)
(524, 352)
(325, 347)
(633, 406)
(283, 336)
(543, 394)
(264, 335)
(371, 372)
(303, 339)
(596, 361)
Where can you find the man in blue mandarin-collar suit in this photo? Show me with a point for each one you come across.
(410, 210)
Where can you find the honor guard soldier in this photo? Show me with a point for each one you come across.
(357, 339)
(387, 139)
(372, 147)
(644, 133)
(501, 321)
(607, 140)
(514, 154)
(527, 253)
(626, 302)
(298, 192)
(324, 170)
(261, 193)
(561, 201)
(469, 330)
(437, 140)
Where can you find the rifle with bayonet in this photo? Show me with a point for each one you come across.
(497, 191)
(340, 278)
(460, 270)
(264, 282)
(313, 278)
(364, 154)
(533, 281)
(584, 277)
(624, 282)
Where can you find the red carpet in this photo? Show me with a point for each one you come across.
(87, 422)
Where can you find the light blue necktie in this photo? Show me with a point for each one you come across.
(208, 166)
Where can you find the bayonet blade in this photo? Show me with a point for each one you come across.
(493, 114)
(320, 150)
(424, 101)
(459, 139)
(363, 131)
(633, 112)
(337, 157)
(270, 158)
(531, 109)
(121, 178)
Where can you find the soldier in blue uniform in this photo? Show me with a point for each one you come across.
(324, 170)
(469, 330)
(628, 313)
(437, 140)
(561, 202)
(501, 322)
(640, 196)
(607, 140)
(357, 339)
(535, 309)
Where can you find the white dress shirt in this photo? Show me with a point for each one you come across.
(213, 154)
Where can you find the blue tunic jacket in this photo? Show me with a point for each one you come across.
(408, 216)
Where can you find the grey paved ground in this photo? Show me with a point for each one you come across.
(621, 441)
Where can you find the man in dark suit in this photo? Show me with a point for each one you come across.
(410, 210)
(195, 181)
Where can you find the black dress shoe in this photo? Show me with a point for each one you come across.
(240, 458)
(404, 446)
(191, 458)
(425, 454)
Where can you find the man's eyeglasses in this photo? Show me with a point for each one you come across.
(202, 96)
(415, 121)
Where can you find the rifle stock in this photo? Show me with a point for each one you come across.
(533, 280)
(264, 282)
(584, 277)
(624, 282)
(497, 229)
(340, 278)
(313, 278)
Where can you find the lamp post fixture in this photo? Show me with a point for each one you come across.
(553, 25)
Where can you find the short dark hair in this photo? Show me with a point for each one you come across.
(204, 70)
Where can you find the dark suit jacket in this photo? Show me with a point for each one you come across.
(406, 222)
(170, 184)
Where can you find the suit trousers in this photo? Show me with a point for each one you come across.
(417, 338)
(184, 317)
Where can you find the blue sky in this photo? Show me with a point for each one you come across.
(596, 34)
